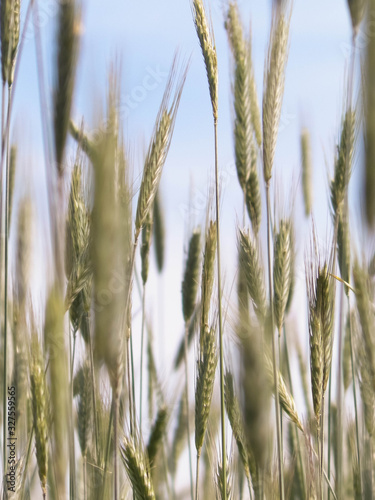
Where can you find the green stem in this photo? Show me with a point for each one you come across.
(142, 349)
(339, 475)
(280, 365)
(187, 408)
(6, 246)
(322, 450)
(274, 361)
(354, 396)
(130, 391)
(92, 373)
(107, 452)
(221, 347)
(115, 396)
(72, 475)
(303, 486)
(129, 340)
(84, 478)
(329, 427)
(197, 476)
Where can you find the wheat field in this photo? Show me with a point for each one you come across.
(254, 378)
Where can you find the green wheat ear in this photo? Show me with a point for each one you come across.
(137, 468)
(67, 52)
(10, 34)
(40, 410)
(204, 388)
(207, 43)
(158, 148)
(191, 275)
(274, 79)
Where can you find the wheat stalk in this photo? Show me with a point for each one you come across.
(10, 34)
(306, 170)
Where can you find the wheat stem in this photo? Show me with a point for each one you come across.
(197, 476)
(354, 396)
(274, 361)
(329, 426)
(85, 478)
(115, 396)
(107, 452)
(321, 466)
(221, 346)
(292, 394)
(187, 408)
(142, 348)
(6, 245)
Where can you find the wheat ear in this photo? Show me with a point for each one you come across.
(137, 468)
(274, 78)
(203, 392)
(254, 274)
(65, 75)
(282, 271)
(39, 409)
(207, 43)
(242, 109)
(158, 149)
(10, 34)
